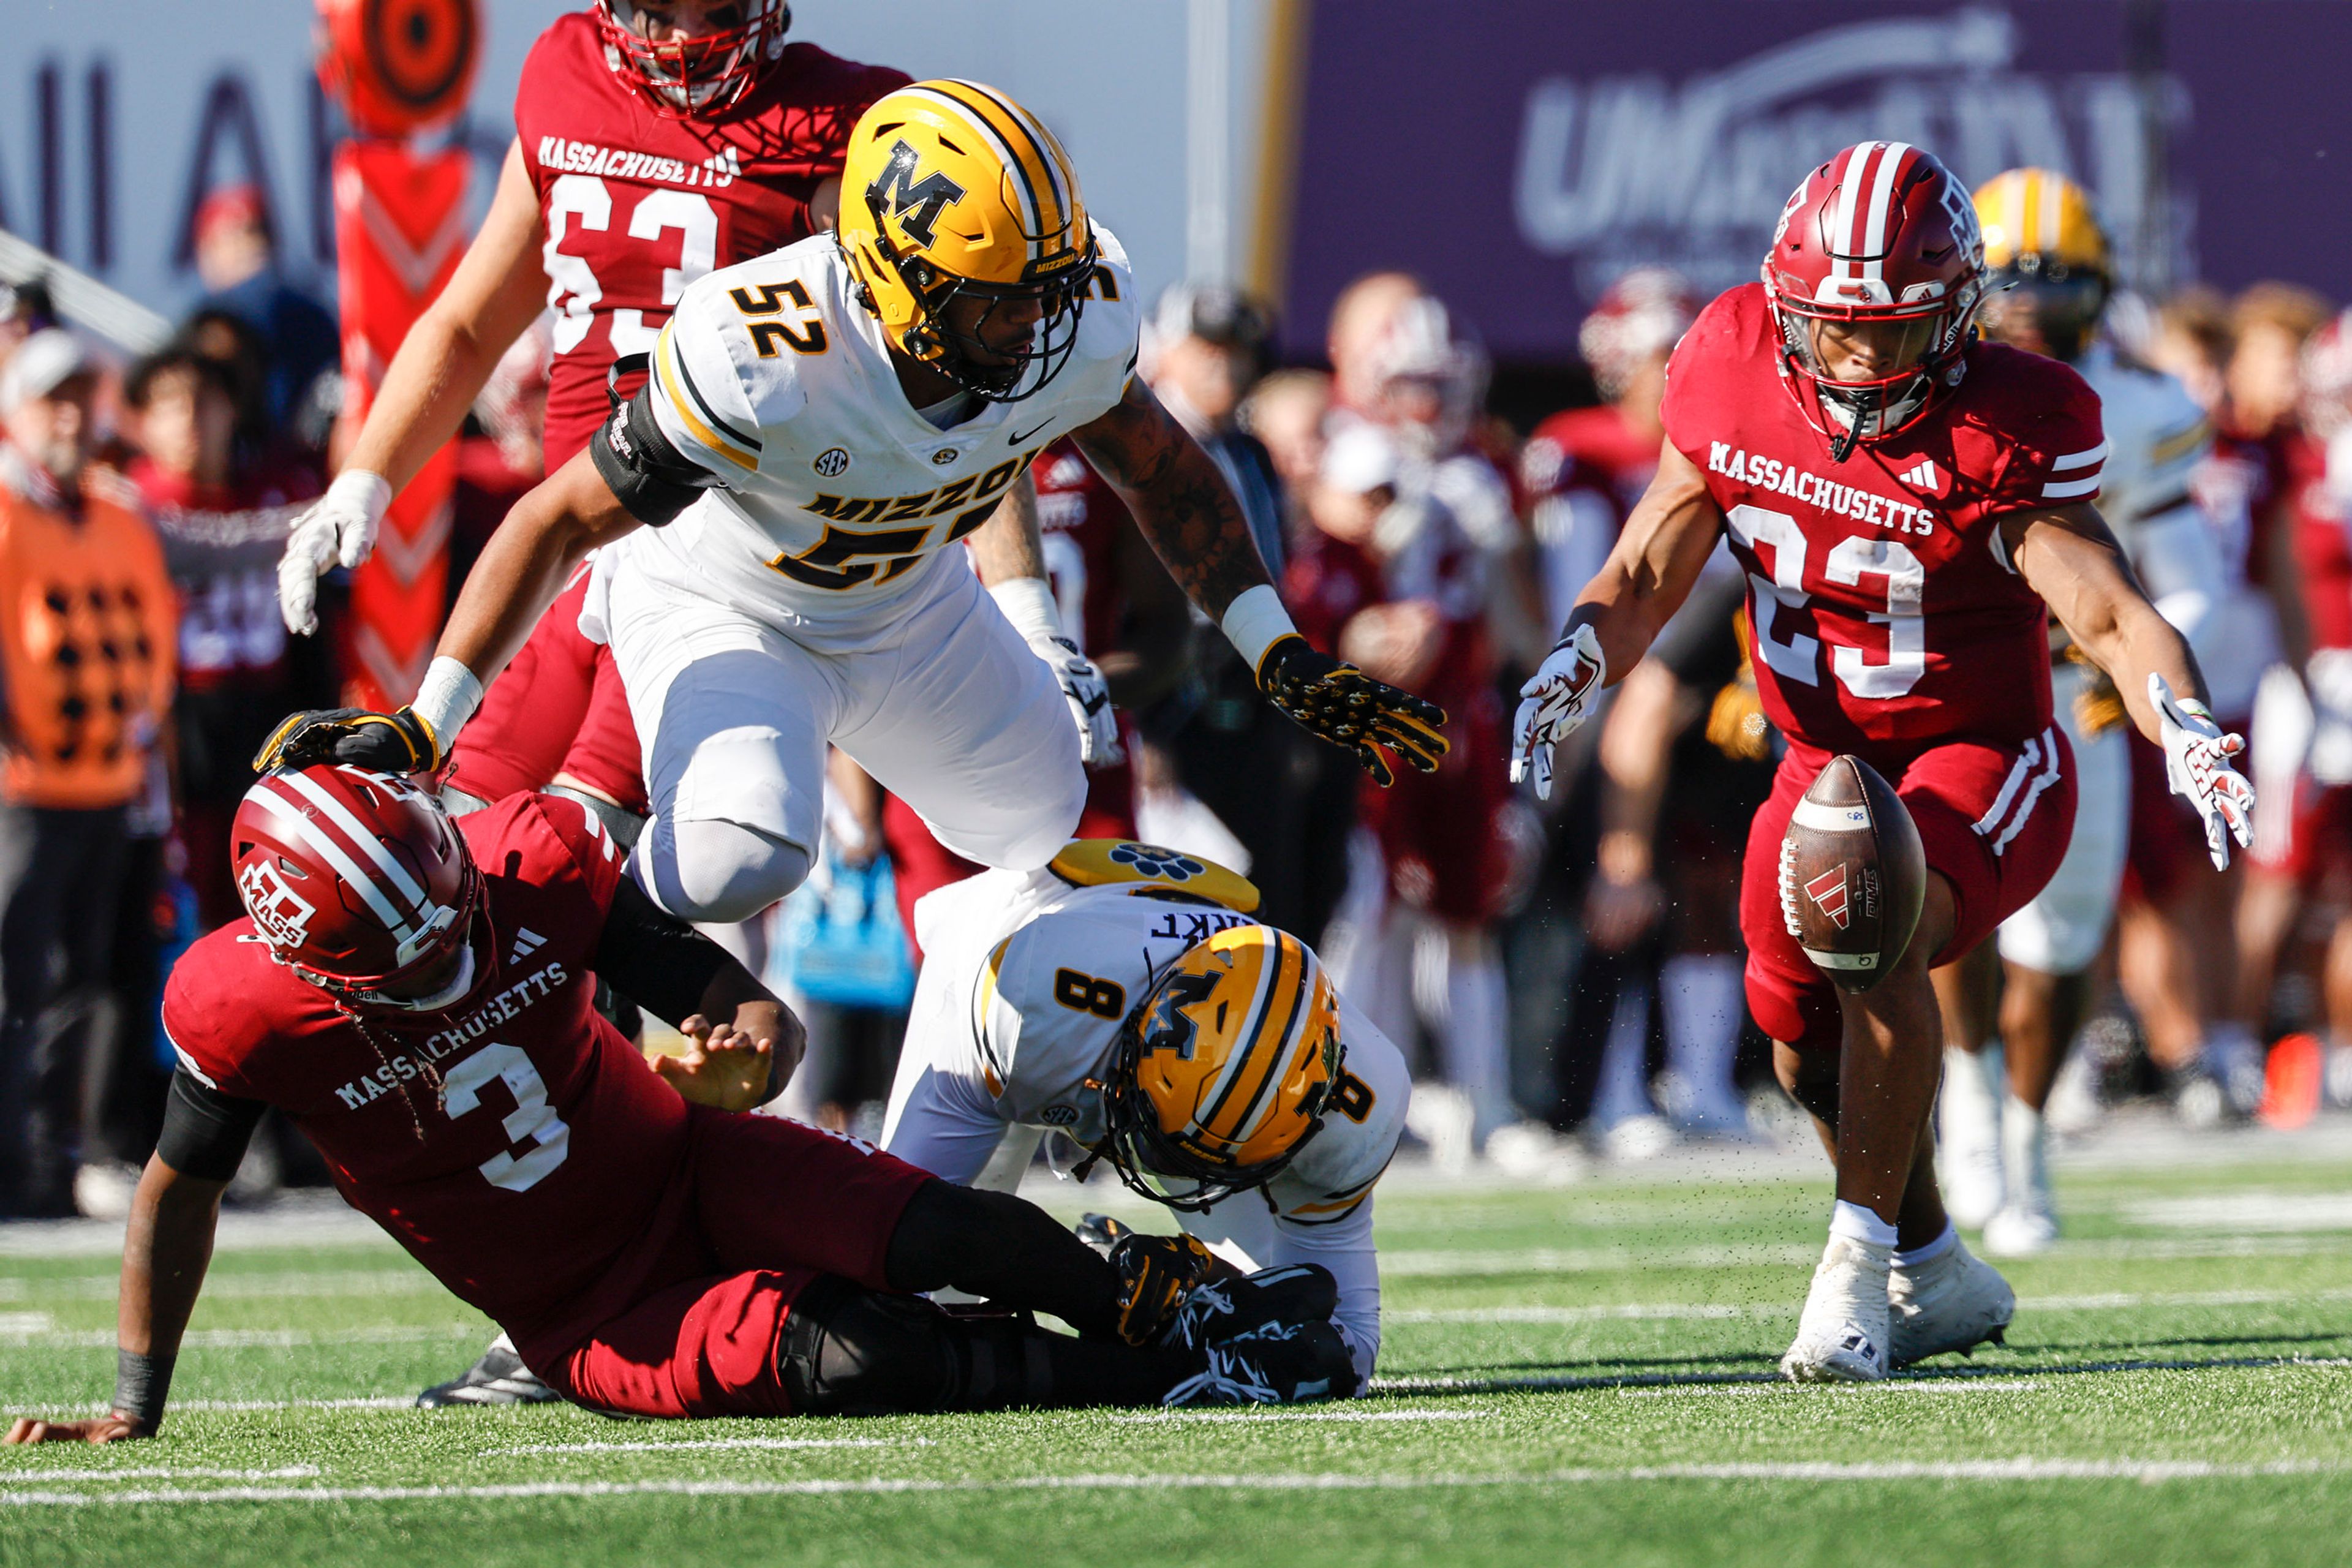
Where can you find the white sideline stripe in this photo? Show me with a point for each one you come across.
(1642, 1311)
(704, 1447)
(2148, 1472)
(1897, 1385)
(163, 1473)
(286, 1339)
(1193, 1416)
(242, 1287)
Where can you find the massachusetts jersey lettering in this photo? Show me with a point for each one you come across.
(1885, 608)
(837, 496)
(637, 206)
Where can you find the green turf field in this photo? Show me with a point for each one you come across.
(1578, 1374)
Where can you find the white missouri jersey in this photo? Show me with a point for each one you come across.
(1003, 1034)
(2156, 438)
(838, 497)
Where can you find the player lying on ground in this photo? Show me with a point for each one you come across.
(1910, 505)
(777, 500)
(416, 993)
(1123, 995)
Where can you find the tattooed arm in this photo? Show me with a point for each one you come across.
(1183, 505)
(1179, 499)
(1009, 553)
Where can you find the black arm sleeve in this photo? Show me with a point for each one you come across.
(652, 479)
(1700, 646)
(655, 959)
(205, 1131)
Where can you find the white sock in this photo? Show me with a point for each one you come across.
(1701, 994)
(1854, 1223)
(1945, 1241)
(2024, 1150)
(1622, 1092)
(1477, 1060)
(1973, 1081)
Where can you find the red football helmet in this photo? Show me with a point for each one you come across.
(2328, 379)
(358, 881)
(1645, 312)
(696, 77)
(1880, 233)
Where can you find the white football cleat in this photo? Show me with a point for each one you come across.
(2020, 1230)
(1968, 1137)
(1844, 1333)
(1954, 1303)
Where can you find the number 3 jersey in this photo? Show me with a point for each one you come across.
(516, 1144)
(1885, 611)
(637, 206)
(838, 497)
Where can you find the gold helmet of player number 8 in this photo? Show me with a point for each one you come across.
(1224, 1069)
(951, 190)
(2048, 259)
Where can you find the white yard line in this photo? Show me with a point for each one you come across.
(1641, 1310)
(166, 1473)
(1895, 1385)
(2150, 1472)
(362, 1282)
(1189, 1416)
(704, 1447)
(282, 1339)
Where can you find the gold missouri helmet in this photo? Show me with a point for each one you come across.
(1222, 1069)
(950, 189)
(2051, 272)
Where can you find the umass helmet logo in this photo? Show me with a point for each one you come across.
(916, 204)
(279, 912)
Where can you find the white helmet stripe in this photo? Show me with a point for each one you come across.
(1301, 1009)
(1842, 225)
(2053, 188)
(2016, 204)
(301, 827)
(357, 831)
(1031, 219)
(1881, 210)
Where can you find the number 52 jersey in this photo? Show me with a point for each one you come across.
(838, 499)
(1888, 615)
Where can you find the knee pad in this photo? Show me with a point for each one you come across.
(848, 1350)
(714, 872)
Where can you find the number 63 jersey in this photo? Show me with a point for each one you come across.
(836, 497)
(516, 1144)
(1888, 615)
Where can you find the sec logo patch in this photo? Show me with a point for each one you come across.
(833, 462)
(1059, 1115)
(945, 456)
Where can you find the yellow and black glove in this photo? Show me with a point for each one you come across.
(397, 743)
(1155, 1274)
(1347, 708)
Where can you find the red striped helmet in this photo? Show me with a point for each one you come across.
(357, 880)
(1880, 233)
(700, 77)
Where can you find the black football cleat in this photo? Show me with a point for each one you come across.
(1223, 1309)
(1274, 1364)
(498, 1378)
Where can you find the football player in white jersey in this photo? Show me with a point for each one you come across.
(1124, 995)
(817, 426)
(2051, 277)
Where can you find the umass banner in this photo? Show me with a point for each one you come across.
(1520, 157)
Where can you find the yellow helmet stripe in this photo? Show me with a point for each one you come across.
(1265, 1044)
(1022, 144)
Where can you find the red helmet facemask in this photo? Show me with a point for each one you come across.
(361, 885)
(1880, 234)
(693, 79)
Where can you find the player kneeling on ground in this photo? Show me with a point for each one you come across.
(416, 994)
(1124, 996)
(1910, 505)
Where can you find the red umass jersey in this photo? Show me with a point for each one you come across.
(638, 206)
(1886, 612)
(516, 1144)
(1078, 519)
(2322, 546)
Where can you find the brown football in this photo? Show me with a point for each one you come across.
(1851, 874)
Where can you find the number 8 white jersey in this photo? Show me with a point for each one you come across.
(837, 499)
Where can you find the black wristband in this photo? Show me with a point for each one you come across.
(141, 1383)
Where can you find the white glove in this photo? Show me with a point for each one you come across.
(1028, 604)
(339, 529)
(2197, 765)
(1554, 704)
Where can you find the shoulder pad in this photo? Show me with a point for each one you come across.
(1109, 862)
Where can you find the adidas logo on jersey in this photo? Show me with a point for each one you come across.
(527, 941)
(1923, 476)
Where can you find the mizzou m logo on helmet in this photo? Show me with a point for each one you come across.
(1171, 1027)
(916, 204)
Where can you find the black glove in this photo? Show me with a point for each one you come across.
(1155, 1274)
(382, 743)
(1350, 710)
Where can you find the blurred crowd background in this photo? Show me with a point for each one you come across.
(1566, 973)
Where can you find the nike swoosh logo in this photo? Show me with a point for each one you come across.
(1020, 435)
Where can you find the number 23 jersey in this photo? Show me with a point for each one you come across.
(837, 497)
(1885, 611)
